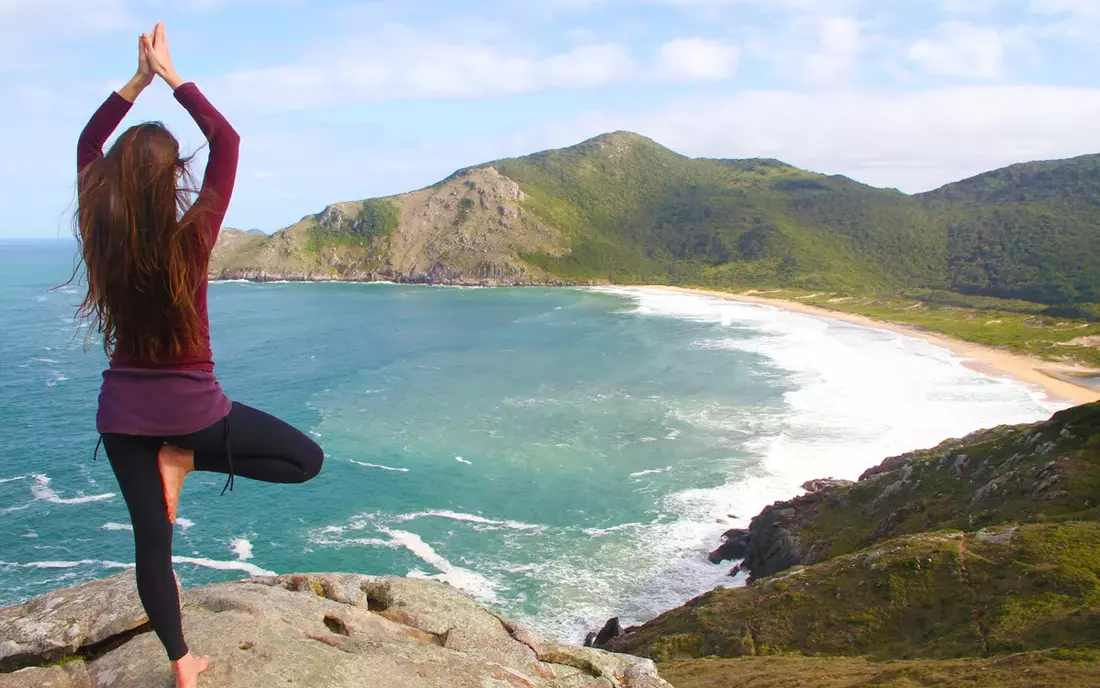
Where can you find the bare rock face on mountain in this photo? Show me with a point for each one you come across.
(315, 631)
(469, 229)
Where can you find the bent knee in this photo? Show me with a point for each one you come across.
(313, 460)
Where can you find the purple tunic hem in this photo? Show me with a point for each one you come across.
(159, 403)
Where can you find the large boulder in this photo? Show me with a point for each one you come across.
(59, 623)
(326, 631)
(734, 546)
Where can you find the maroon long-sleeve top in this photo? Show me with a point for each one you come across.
(221, 173)
(181, 395)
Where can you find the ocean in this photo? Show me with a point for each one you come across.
(563, 455)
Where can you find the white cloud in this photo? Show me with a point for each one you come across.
(697, 59)
(23, 23)
(915, 142)
(413, 69)
(421, 72)
(1079, 8)
(961, 49)
(840, 44)
(22, 15)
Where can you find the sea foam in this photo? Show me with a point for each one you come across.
(242, 548)
(856, 396)
(218, 565)
(464, 579)
(41, 490)
(380, 467)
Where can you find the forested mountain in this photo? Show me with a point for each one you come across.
(1026, 231)
(622, 208)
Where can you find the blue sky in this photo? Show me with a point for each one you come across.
(345, 100)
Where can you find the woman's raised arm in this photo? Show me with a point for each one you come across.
(106, 119)
(221, 167)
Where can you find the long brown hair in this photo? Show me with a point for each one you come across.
(143, 247)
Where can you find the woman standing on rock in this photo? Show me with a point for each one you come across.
(162, 413)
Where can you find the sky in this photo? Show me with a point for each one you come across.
(339, 101)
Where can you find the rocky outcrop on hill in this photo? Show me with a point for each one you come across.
(308, 631)
(470, 229)
(1011, 473)
(936, 595)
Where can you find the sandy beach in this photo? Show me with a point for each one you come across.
(984, 359)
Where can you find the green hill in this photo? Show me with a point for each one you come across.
(1026, 231)
(622, 208)
(973, 563)
(638, 212)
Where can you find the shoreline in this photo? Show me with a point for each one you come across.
(988, 360)
(981, 358)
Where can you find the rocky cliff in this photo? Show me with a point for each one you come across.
(976, 562)
(1012, 474)
(306, 631)
(469, 229)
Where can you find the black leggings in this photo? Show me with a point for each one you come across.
(249, 443)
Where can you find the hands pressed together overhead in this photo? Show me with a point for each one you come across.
(154, 58)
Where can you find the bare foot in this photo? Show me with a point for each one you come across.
(187, 669)
(174, 464)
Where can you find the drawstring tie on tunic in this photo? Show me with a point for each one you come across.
(228, 455)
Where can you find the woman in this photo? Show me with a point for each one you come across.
(162, 413)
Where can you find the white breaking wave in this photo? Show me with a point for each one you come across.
(855, 396)
(41, 490)
(469, 518)
(184, 523)
(655, 471)
(384, 468)
(464, 579)
(12, 480)
(117, 526)
(10, 509)
(596, 532)
(242, 548)
(105, 564)
(462, 460)
(223, 565)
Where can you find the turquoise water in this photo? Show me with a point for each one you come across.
(563, 455)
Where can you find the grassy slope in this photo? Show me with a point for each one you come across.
(933, 595)
(1044, 472)
(639, 212)
(1057, 669)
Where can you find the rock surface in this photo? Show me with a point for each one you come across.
(825, 484)
(57, 624)
(734, 546)
(612, 629)
(315, 631)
